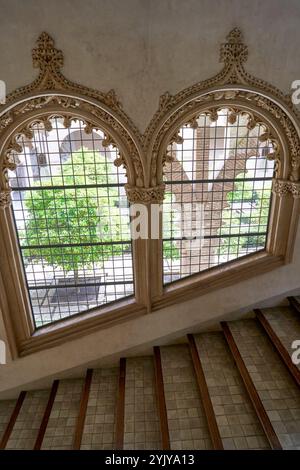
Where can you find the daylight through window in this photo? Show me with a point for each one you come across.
(218, 177)
(72, 220)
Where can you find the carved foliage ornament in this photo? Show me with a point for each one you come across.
(284, 188)
(172, 109)
(145, 195)
(252, 121)
(45, 56)
(5, 198)
(15, 145)
(49, 61)
(182, 107)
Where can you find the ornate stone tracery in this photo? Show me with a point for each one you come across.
(51, 94)
(231, 87)
(283, 188)
(144, 156)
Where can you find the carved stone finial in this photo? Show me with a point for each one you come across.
(5, 198)
(45, 55)
(234, 51)
(235, 36)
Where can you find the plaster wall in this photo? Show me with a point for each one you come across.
(142, 48)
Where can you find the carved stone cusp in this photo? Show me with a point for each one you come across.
(107, 141)
(120, 161)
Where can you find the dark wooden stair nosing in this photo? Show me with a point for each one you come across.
(120, 413)
(82, 410)
(279, 346)
(47, 413)
(294, 303)
(251, 390)
(205, 396)
(161, 400)
(12, 420)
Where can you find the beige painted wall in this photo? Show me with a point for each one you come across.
(142, 48)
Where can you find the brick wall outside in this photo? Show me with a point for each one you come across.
(214, 199)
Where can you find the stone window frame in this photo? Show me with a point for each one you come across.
(234, 166)
(143, 156)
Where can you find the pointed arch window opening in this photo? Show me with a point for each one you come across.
(72, 220)
(224, 163)
(52, 94)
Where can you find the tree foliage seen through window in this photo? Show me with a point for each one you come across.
(76, 216)
(248, 212)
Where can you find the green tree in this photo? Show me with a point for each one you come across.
(243, 220)
(78, 215)
(170, 229)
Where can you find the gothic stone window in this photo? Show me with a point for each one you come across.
(218, 178)
(72, 220)
(220, 157)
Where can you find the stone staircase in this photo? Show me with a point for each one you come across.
(236, 388)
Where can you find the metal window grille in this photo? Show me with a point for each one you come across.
(218, 193)
(72, 221)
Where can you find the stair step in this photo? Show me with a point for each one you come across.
(46, 416)
(6, 409)
(187, 422)
(99, 427)
(282, 325)
(141, 421)
(62, 421)
(238, 424)
(236, 389)
(205, 396)
(27, 425)
(286, 324)
(295, 303)
(276, 388)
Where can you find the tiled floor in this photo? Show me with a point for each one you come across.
(275, 386)
(26, 428)
(238, 424)
(187, 422)
(286, 324)
(6, 409)
(62, 421)
(99, 428)
(141, 416)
